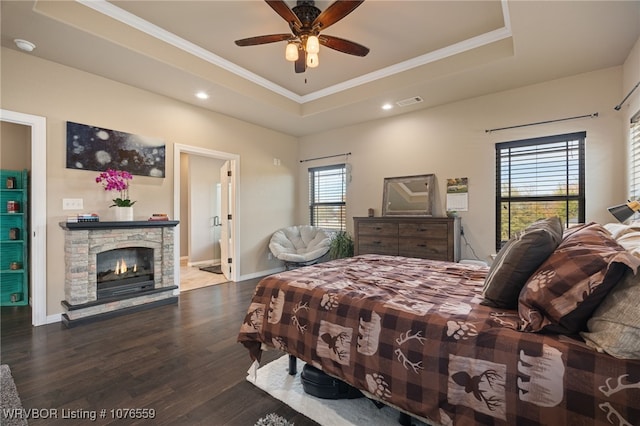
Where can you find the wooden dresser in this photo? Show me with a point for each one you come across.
(436, 238)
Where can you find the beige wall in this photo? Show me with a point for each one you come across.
(15, 146)
(34, 86)
(451, 141)
(631, 77)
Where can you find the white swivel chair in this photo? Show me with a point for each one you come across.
(300, 245)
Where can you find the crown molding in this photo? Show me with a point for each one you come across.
(121, 15)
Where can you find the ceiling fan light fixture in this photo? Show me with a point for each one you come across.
(291, 54)
(306, 22)
(312, 60)
(313, 44)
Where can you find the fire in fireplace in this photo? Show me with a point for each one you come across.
(124, 271)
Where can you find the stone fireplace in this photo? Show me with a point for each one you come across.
(114, 268)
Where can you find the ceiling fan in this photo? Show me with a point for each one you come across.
(306, 22)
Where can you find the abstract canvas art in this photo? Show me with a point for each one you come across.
(96, 148)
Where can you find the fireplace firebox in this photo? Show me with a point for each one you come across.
(124, 271)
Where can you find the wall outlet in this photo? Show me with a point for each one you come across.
(72, 204)
(270, 256)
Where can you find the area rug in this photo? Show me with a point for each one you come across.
(274, 379)
(10, 404)
(216, 269)
(273, 420)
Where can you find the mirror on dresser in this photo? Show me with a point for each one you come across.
(408, 195)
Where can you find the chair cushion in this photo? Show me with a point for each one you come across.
(300, 243)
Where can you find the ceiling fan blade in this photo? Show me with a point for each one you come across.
(335, 12)
(287, 14)
(344, 46)
(301, 64)
(271, 38)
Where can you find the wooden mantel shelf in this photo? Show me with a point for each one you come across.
(83, 226)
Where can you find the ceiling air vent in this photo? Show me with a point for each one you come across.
(410, 101)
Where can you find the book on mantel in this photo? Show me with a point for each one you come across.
(84, 217)
(159, 216)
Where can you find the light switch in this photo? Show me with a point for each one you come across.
(72, 204)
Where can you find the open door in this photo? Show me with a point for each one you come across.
(226, 220)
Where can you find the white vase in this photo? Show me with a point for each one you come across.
(124, 214)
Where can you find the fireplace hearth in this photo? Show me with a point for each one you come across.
(114, 268)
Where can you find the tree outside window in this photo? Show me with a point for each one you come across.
(539, 178)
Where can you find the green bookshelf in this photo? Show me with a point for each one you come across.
(14, 233)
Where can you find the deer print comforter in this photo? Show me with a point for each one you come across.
(411, 332)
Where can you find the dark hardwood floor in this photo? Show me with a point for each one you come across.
(181, 360)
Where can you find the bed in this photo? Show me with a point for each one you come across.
(425, 337)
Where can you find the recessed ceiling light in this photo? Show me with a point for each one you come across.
(202, 95)
(387, 106)
(25, 45)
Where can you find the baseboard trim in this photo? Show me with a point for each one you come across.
(261, 273)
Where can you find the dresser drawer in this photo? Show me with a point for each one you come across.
(423, 230)
(435, 238)
(436, 249)
(378, 228)
(378, 244)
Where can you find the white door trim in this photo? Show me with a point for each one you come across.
(235, 177)
(38, 198)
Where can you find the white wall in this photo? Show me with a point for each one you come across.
(450, 141)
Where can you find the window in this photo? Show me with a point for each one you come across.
(634, 166)
(327, 197)
(538, 178)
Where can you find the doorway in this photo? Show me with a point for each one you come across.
(213, 235)
(38, 217)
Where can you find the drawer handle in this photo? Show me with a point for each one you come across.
(377, 242)
(377, 228)
(421, 229)
(421, 245)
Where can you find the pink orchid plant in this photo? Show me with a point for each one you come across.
(117, 180)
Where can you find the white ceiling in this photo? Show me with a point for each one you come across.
(441, 51)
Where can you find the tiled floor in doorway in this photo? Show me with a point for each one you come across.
(191, 277)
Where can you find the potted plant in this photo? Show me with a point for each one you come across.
(341, 245)
(118, 180)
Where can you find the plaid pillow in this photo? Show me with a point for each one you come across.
(565, 290)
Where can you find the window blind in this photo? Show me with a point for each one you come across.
(327, 197)
(634, 156)
(539, 178)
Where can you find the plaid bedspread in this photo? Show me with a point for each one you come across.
(412, 333)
